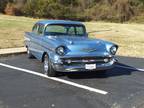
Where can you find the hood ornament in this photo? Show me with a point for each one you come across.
(89, 49)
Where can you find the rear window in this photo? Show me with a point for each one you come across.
(65, 29)
(56, 28)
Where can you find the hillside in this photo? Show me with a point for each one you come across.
(84, 10)
(130, 37)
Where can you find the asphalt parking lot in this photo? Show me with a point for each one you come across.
(22, 87)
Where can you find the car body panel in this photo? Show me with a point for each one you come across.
(78, 48)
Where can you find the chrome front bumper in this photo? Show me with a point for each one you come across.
(81, 67)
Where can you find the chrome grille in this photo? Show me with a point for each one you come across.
(86, 60)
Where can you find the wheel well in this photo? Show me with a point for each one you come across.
(43, 56)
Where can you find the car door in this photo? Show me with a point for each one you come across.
(36, 45)
(32, 38)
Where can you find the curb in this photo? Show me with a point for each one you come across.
(12, 51)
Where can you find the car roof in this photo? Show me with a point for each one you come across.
(59, 22)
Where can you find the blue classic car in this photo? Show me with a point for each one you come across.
(64, 46)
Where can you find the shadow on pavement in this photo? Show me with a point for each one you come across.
(116, 71)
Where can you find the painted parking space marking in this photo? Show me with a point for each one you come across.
(56, 79)
(133, 68)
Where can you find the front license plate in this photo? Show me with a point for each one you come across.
(90, 66)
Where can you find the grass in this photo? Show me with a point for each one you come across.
(12, 30)
(130, 37)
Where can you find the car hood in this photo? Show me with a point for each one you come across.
(73, 40)
(80, 45)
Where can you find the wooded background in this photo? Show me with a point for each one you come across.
(83, 10)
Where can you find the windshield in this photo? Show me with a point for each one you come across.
(65, 29)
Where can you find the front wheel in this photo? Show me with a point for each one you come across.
(48, 69)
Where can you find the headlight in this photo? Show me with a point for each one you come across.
(60, 50)
(113, 50)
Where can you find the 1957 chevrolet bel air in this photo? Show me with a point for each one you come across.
(64, 46)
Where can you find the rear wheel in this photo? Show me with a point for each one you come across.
(48, 69)
(29, 53)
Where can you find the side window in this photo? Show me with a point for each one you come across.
(35, 28)
(40, 30)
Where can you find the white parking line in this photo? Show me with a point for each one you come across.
(56, 79)
(138, 69)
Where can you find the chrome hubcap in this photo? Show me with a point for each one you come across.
(46, 65)
(28, 51)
